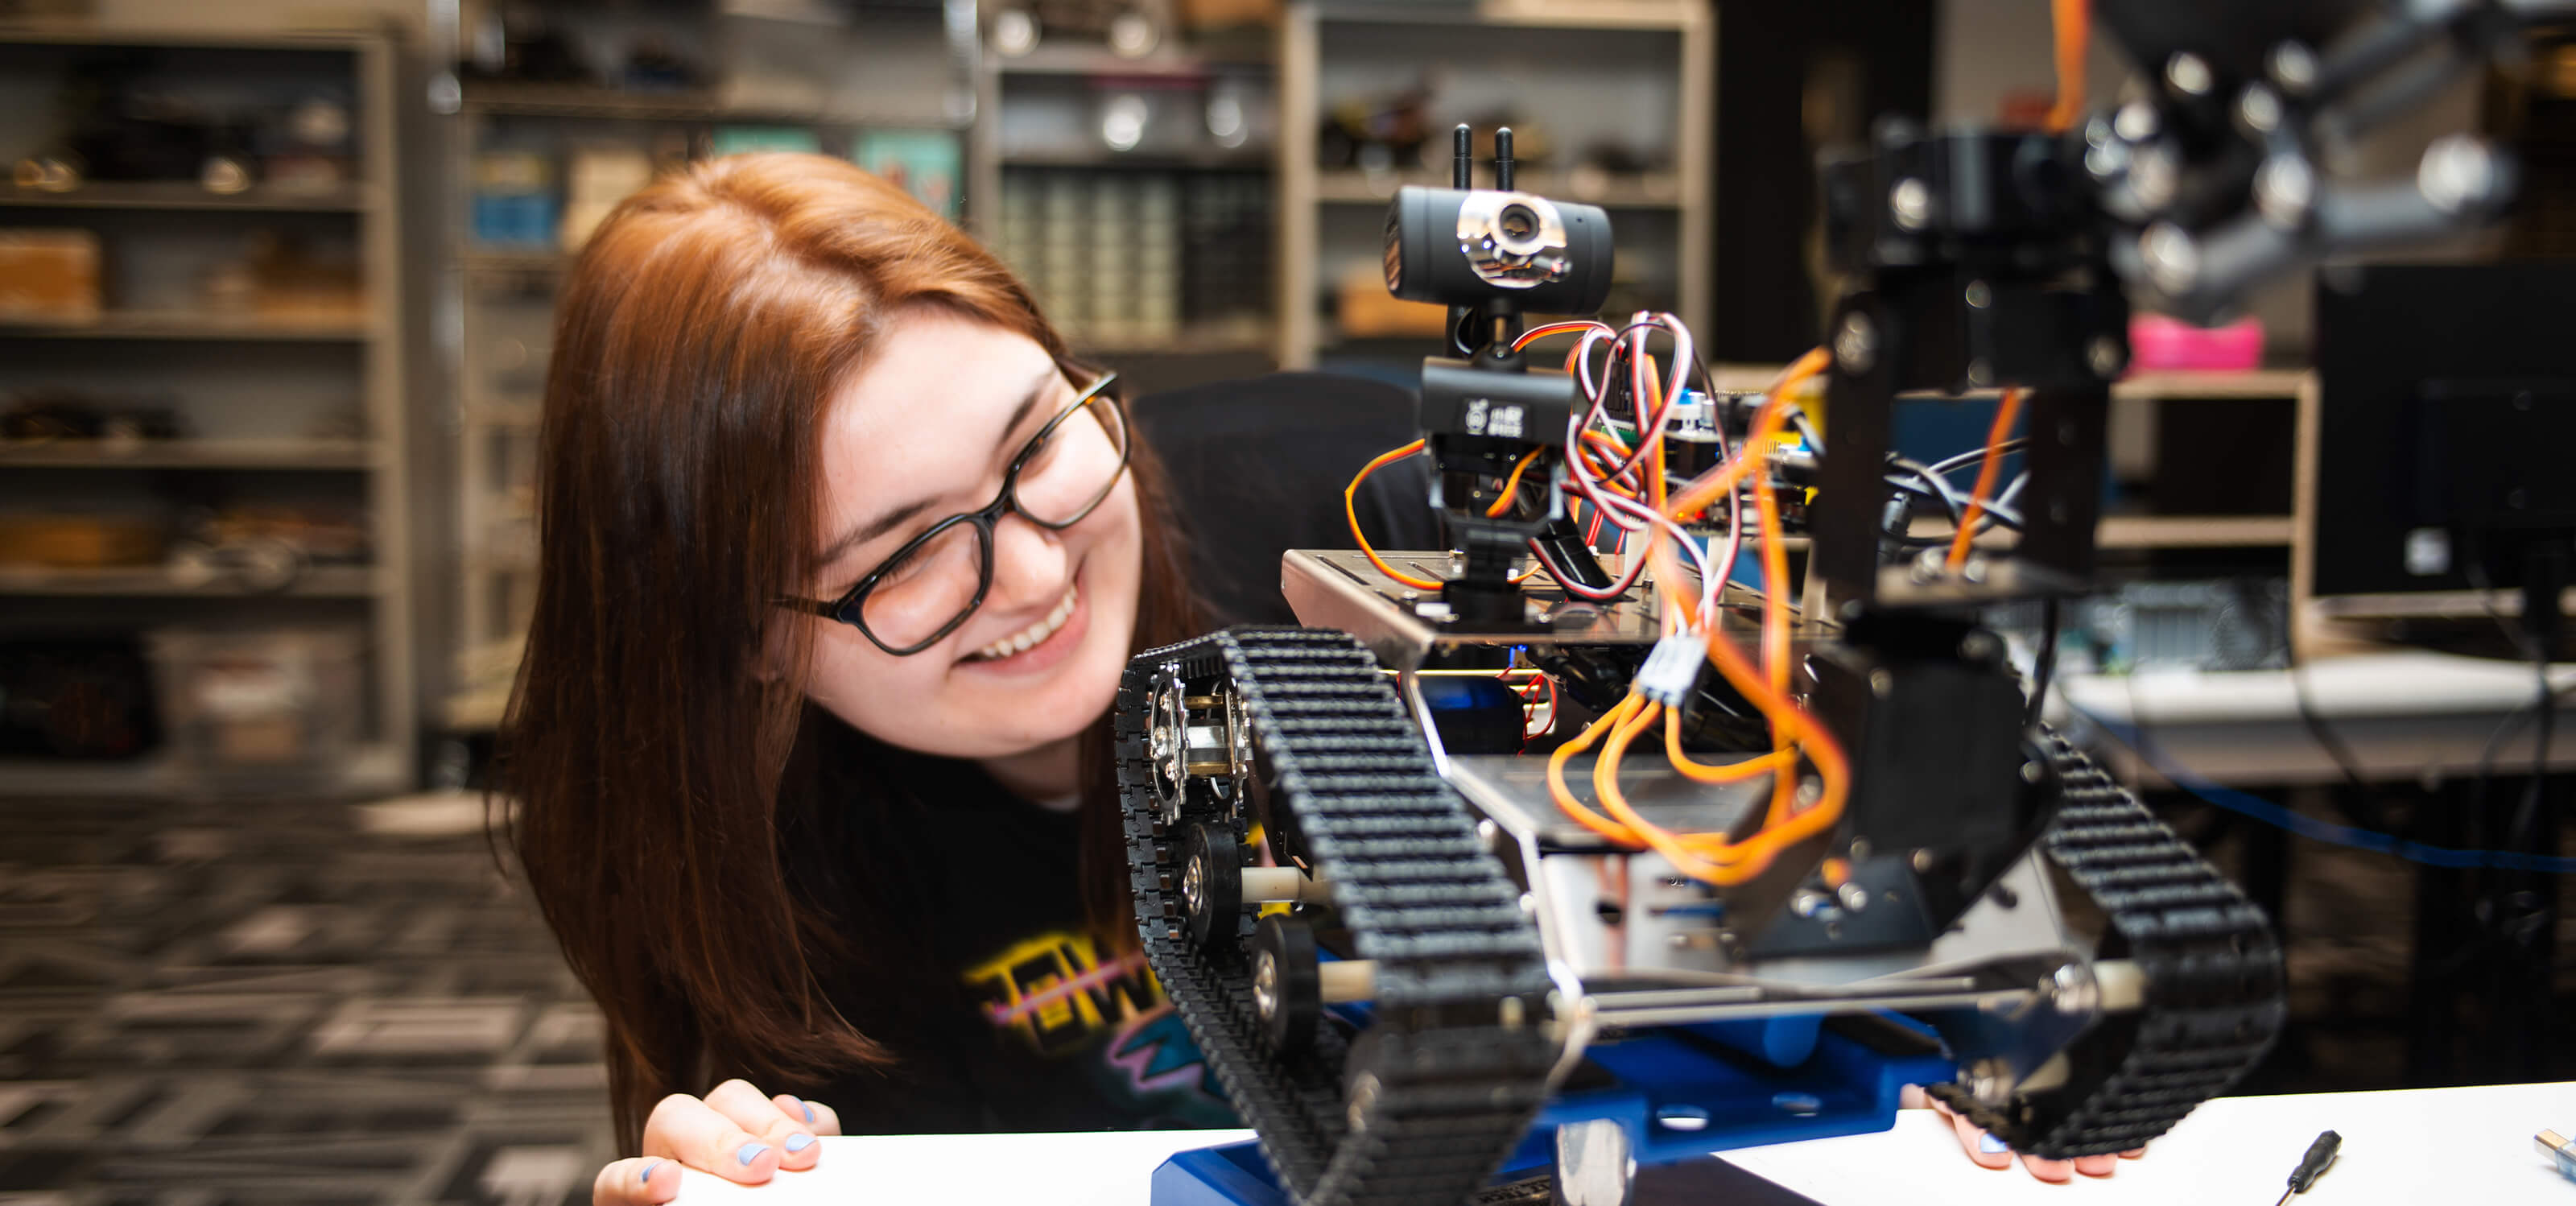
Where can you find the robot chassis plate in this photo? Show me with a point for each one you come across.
(1510, 992)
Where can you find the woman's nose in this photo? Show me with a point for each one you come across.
(1029, 565)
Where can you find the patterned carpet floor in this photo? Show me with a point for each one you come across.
(283, 1003)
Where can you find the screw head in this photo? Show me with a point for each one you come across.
(2188, 74)
(2293, 66)
(2154, 176)
(2172, 257)
(1922, 861)
(2105, 357)
(1881, 683)
(2259, 108)
(2285, 190)
(1853, 896)
(1910, 203)
(2460, 173)
(1980, 295)
(1856, 343)
(2136, 121)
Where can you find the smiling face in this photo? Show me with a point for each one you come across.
(925, 429)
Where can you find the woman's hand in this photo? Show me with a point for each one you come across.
(1990, 1152)
(733, 1132)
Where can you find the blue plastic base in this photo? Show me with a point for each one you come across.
(1678, 1093)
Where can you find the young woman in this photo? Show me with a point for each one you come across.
(842, 556)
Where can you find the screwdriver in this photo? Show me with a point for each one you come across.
(2320, 1154)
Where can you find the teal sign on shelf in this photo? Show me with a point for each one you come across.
(735, 140)
(925, 163)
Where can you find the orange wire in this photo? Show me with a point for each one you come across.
(1731, 772)
(1512, 485)
(2073, 22)
(2005, 412)
(1351, 511)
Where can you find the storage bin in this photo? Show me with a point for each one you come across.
(260, 699)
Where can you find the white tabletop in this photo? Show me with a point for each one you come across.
(2465, 1146)
(2433, 1145)
(2404, 715)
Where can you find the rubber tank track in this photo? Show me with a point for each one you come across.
(2214, 988)
(1452, 1089)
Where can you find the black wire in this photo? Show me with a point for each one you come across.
(2045, 665)
(2366, 810)
(1965, 459)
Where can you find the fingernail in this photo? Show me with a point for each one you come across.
(1986, 1143)
(649, 1166)
(798, 1142)
(809, 1109)
(750, 1152)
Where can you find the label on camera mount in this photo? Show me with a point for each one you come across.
(1672, 669)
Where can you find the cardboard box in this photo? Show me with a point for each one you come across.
(48, 274)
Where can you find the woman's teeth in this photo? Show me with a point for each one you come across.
(1034, 633)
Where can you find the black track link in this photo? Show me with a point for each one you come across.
(1449, 1088)
(2214, 992)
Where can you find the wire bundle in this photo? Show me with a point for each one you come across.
(1623, 482)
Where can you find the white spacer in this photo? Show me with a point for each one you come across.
(1343, 981)
(1281, 885)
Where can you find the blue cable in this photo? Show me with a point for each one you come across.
(2326, 831)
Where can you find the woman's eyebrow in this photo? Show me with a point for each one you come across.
(896, 517)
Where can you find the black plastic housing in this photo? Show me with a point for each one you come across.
(1425, 262)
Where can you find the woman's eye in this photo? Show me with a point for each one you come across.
(1039, 454)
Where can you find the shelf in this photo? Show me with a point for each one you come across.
(1256, 159)
(1214, 345)
(2254, 383)
(1530, 14)
(190, 324)
(2258, 383)
(84, 32)
(188, 454)
(514, 263)
(1101, 61)
(2195, 531)
(1650, 190)
(184, 194)
(153, 581)
(583, 101)
(373, 769)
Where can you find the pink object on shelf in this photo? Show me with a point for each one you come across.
(2160, 343)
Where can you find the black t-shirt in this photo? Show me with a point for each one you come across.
(1002, 1013)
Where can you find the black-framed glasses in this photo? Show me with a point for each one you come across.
(915, 598)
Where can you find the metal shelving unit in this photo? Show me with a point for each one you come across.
(323, 455)
(183, 195)
(371, 345)
(1683, 37)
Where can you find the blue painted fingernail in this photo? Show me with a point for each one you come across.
(649, 1166)
(809, 1108)
(798, 1142)
(1990, 1145)
(750, 1152)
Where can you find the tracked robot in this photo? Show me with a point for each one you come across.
(1754, 867)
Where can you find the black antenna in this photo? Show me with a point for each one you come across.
(1503, 159)
(1462, 157)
